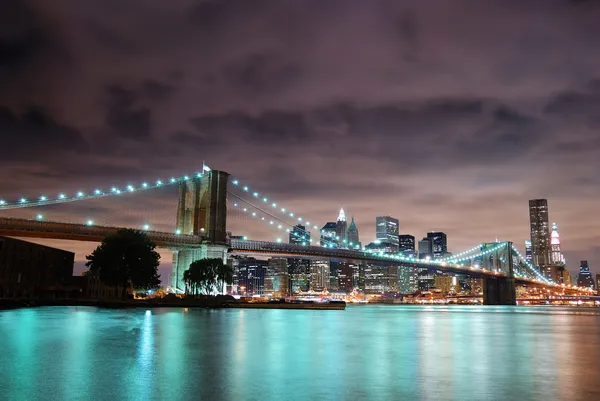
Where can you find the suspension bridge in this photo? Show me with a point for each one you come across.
(206, 200)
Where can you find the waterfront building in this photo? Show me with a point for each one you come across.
(341, 230)
(29, 270)
(566, 278)
(279, 277)
(407, 280)
(406, 242)
(425, 249)
(346, 277)
(328, 235)
(299, 269)
(425, 279)
(540, 234)
(353, 239)
(446, 284)
(380, 277)
(250, 275)
(439, 243)
(319, 275)
(585, 277)
(386, 230)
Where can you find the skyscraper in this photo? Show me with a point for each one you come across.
(319, 275)
(299, 269)
(585, 277)
(353, 240)
(299, 235)
(598, 283)
(425, 248)
(556, 257)
(528, 256)
(328, 234)
(341, 230)
(439, 243)
(540, 235)
(386, 230)
(406, 242)
(279, 277)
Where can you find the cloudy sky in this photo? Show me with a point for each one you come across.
(446, 115)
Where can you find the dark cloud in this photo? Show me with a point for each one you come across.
(125, 117)
(35, 134)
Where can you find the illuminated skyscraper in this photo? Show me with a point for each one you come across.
(439, 243)
(386, 230)
(353, 240)
(319, 275)
(540, 234)
(425, 248)
(328, 234)
(406, 242)
(528, 251)
(341, 230)
(299, 269)
(585, 277)
(556, 257)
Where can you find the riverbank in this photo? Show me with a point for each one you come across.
(218, 301)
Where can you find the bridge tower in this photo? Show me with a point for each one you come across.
(499, 290)
(202, 211)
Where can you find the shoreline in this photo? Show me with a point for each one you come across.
(212, 303)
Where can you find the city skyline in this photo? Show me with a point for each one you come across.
(431, 125)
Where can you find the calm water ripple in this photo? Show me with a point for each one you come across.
(362, 353)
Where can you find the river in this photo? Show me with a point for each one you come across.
(363, 353)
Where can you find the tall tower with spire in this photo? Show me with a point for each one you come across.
(341, 229)
(353, 240)
(555, 254)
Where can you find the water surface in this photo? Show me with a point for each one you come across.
(362, 353)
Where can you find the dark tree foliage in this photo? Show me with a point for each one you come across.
(205, 275)
(127, 258)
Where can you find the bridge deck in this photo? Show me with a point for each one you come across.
(13, 227)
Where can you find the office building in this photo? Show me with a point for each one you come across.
(540, 234)
(346, 277)
(328, 235)
(386, 230)
(381, 246)
(584, 279)
(407, 280)
(406, 242)
(250, 275)
(353, 239)
(528, 256)
(556, 256)
(341, 230)
(439, 243)
(425, 279)
(277, 281)
(566, 278)
(29, 270)
(446, 284)
(299, 269)
(319, 275)
(425, 249)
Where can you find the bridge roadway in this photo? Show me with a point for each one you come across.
(13, 227)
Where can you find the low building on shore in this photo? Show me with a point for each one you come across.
(34, 271)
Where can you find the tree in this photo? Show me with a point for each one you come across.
(127, 258)
(204, 276)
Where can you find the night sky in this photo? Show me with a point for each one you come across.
(449, 115)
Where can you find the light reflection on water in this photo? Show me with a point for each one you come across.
(364, 352)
